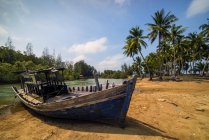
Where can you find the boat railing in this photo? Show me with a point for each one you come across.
(91, 88)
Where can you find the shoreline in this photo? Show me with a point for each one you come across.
(158, 110)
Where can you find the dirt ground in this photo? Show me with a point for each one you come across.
(158, 110)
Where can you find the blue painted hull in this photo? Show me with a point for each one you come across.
(107, 111)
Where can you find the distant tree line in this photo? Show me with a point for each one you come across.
(11, 61)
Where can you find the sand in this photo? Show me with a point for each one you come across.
(158, 110)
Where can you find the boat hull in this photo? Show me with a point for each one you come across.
(107, 111)
(109, 106)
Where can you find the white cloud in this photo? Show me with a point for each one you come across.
(197, 7)
(78, 58)
(20, 42)
(89, 47)
(3, 32)
(113, 62)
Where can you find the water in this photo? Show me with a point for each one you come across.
(8, 103)
(7, 95)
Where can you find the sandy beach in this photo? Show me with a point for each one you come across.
(158, 110)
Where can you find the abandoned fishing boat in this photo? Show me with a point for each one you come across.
(45, 92)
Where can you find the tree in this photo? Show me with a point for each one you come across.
(205, 33)
(160, 28)
(45, 52)
(196, 43)
(181, 53)
(134, 43)
(81, 68)
(47, 58)
(59, 62)
(153, 62)
(9, 44)
(137, 65)
(175, 34)
(205, 29)
(127, 70)
(29, 49)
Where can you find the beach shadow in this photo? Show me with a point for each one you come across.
(133, 126)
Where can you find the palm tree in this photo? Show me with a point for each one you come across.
(134, 43)
(205, 29)
(137, 65)
(205, 32)
(153, 62)
(160, 27)
(129, 50)
(181, 52)
(197, 44)
(175, 35)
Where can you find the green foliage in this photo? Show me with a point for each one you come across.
(81, 68)
(113, 74)
(153, 63)
(175, 54)
(5, 73)
(11, 61)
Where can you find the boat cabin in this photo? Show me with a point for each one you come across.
(44, 83)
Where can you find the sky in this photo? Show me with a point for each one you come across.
(90, 30)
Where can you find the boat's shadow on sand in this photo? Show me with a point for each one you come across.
(133, 126)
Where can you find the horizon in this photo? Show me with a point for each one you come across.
(93, 31)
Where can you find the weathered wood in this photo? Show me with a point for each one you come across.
(96, 80)
(113, 84)
(94, 88)
(107, 84)
(90, 89)
(70, 90)
(100, 87)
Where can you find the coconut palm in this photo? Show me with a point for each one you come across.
(205, 32)
(153, 62)
(160, 27)
(137, 65)
(197, 44)
(134, 43)
(175, 35)
(181, 52)
(205, 29)
(129, 50)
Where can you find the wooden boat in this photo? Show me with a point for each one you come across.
(45, 92)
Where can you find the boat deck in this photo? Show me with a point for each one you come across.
(35, 99)
(32, 99)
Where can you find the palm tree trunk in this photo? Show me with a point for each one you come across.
(205, 66)
(174, 60)
(174, 63)
(160, 37)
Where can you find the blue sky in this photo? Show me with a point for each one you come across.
(92, 30)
